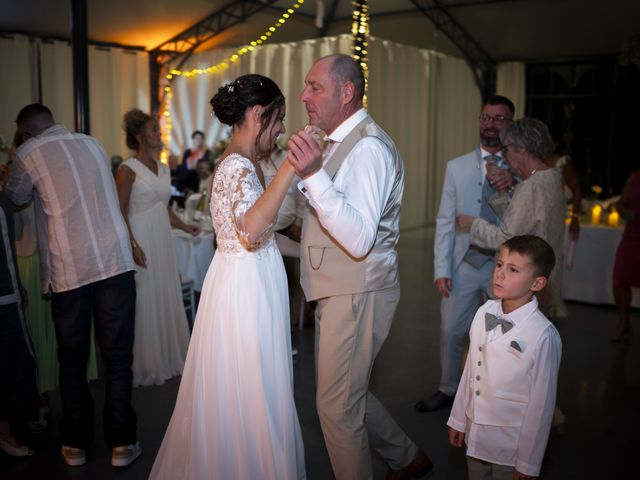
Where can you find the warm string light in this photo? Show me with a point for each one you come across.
(360, 31)
(166, 122)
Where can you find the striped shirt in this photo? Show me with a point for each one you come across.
(81, 233)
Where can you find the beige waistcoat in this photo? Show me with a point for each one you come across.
(326, 268)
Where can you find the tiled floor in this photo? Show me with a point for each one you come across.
(599, 392)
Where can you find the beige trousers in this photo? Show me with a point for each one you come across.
(481, 470)
(350, 330)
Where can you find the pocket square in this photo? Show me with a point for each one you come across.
(516, 346)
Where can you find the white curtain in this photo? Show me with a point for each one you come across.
(18, 85)
(511, 82)
(118, 81)
(427, 101)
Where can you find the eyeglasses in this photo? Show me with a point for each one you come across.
(497, 119)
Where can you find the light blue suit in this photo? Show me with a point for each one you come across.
(461, 194)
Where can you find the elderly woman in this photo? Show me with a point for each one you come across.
(537, 206)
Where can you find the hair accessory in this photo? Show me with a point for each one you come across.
(230, 88)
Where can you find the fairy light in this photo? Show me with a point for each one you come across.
(360, 32)
(166, 115)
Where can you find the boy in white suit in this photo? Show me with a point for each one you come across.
(506, 397)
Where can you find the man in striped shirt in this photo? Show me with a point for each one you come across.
(87, 266)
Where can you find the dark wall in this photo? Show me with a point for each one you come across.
(595, 107)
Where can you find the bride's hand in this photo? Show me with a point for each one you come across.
(304, 154)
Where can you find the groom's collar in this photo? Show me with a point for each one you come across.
(339, 134)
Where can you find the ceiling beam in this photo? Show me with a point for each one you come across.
(482, 65)
(328, 19)
(186, 42)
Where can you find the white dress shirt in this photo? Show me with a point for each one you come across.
(484, 154)
(522, 447)
(359, 204)
(292, 209)
(84, 237)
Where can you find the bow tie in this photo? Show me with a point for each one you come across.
(491, 321)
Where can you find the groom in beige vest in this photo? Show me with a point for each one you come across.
(349, 264)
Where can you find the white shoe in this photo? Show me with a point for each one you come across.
(125, 455)
(15, 450)
(74, 457)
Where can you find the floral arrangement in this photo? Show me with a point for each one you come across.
(596, 190)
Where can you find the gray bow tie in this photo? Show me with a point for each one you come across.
(491, 321)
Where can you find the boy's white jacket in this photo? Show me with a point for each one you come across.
(499, 378)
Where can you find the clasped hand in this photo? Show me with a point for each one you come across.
(463, 222)
(305, 155)
(498, 178)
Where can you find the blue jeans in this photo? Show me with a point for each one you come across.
(18, 388)
(111, 304)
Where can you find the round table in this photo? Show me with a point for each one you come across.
(194, 255)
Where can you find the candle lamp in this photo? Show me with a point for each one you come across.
(614, 218)
(596, 211)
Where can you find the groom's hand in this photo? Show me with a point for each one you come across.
(444, 286)
(304, 154)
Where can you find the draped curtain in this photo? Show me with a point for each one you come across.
(427, 101)
(511, 82)
(35, 70)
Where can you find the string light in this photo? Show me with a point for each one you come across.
(166, 122)
(360, 32)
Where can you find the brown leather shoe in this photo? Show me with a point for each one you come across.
(420, 467)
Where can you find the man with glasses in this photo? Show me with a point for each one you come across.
(462, 272)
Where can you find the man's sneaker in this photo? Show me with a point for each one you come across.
(74, 456)
(125, 455)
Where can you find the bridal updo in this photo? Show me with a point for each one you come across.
(233, 99)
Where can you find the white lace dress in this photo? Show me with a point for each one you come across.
(235, 416)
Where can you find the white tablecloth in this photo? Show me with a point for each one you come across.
(194, 255)
(590, 276)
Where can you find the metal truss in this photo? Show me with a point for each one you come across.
(328, 19)
(482, 65)
(185, 43)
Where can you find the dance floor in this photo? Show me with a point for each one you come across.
(599, 388)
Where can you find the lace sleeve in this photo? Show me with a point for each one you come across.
(242, 190)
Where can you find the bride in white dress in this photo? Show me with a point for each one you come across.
(235, 416)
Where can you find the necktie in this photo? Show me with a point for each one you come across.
(491, 321)
(486, 212)
(476, 257)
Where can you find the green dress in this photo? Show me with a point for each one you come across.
(40, 323)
